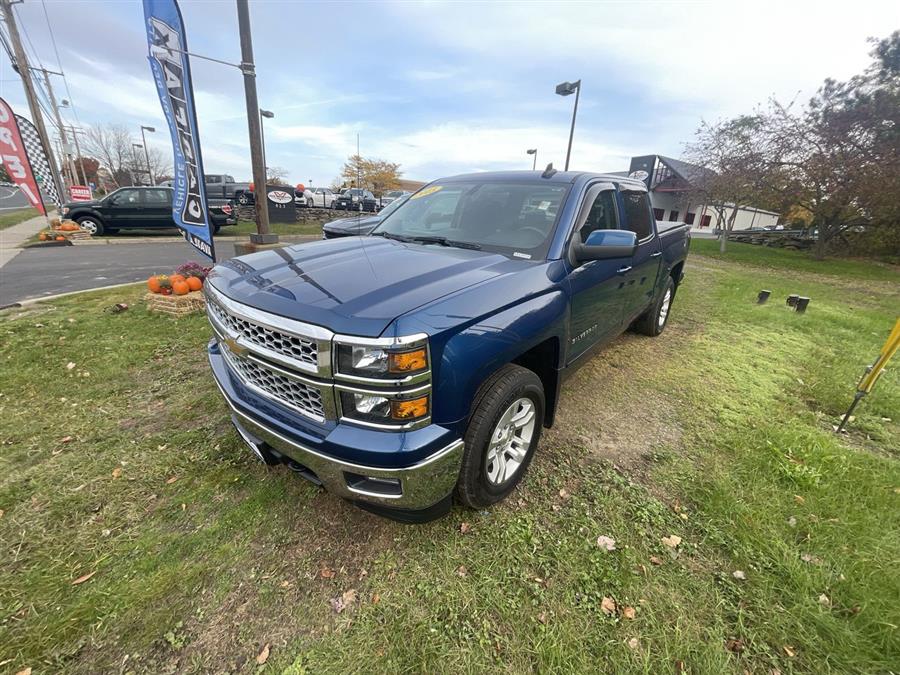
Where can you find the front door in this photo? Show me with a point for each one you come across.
(123, 209)
(596, 286)
(640, 280)
(158, 207)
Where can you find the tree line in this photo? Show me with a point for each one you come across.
(832, 164)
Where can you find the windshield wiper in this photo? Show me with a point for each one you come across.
(391, 235)
(443, 241)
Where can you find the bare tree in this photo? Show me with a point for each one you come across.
(275, 175)
(111, 144)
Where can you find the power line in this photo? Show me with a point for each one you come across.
(59, 63)
(27, 37)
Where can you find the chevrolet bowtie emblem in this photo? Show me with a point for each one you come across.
(234, 347)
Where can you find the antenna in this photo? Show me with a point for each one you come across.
(549, 171)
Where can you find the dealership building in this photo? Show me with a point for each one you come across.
(676, 195)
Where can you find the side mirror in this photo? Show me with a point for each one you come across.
(605, 244)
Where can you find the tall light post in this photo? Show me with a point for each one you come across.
(268, 114)
(564, 89)
(134, 157)
(533, 151)
(146, 153)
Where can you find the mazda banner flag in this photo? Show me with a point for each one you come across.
(15, 158)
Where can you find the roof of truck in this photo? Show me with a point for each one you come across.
(529, 176)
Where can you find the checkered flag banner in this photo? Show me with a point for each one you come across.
(39, 164)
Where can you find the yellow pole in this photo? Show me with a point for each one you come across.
(873, 372)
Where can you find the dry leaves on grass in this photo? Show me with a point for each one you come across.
(263, 656)
(735, 645)
(789, 651)
(672, 541)
(655, 560)
(811, 559)
(633, 643)
(462, 571)
(629, 613)
(346, 599)
(326, 573)
(608, 606)
(824, 600)
(171, 480)
(606, 543)
(82, 579)
(117, 472)
(464, 527)
(24, 671)
(739, 575)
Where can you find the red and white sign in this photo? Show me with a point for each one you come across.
(80, 193)
(15, 159)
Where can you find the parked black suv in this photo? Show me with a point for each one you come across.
(138, 208)
(350, 200)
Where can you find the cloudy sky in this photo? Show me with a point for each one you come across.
(451, 87)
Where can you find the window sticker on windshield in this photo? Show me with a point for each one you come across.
(516, 254)
(427, 191)
(544, 205)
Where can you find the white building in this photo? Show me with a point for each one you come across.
(676, 196)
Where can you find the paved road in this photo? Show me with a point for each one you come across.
(38, 272)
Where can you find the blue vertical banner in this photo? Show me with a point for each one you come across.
(172, 73)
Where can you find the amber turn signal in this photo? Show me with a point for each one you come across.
(408, 362)
(410, 409)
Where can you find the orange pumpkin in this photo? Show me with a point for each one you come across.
(175, 278)
(42, 236)
(180, 287)
(195, 283)
(153, 284)
(60, 238)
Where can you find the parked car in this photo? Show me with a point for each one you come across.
(358, 225)
(388, 197)
(139, 208)
(223, 186)
(420, 363)
(302, 199)
(322, 197)
(350, 198)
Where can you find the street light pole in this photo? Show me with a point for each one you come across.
(564, 89)
(146, 153)
(136, 173)
(533, 151)
(248, 68)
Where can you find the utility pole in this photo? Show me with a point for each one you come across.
(21, 66)
(80, 158)
(253, 122)
(62, 127)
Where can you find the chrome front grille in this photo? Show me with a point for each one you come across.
(277, 384)
(290, 346)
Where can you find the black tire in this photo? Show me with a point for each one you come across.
(216, 228)
(653, 322)
(243, 199)
(91, 224)
(498, 393)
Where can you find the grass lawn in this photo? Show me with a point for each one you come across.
(139, 535)
(10, 218)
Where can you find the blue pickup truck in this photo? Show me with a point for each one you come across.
(419, 364)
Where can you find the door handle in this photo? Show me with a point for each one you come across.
(622, 270)
(656, 255)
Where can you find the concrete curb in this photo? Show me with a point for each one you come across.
(57, 296)
(291, 238)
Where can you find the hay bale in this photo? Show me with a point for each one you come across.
(176, 305)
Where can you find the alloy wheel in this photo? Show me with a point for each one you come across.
(509, 441)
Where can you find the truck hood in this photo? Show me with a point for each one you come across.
(354, 285)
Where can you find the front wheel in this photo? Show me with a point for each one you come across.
(243, 199)
(654, 320)
(91, 225)
(503, 433)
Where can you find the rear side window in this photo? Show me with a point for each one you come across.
(602, 215)
(637, 213)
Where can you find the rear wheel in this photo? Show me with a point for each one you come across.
(654, 320)
(91, 225)
(503, 433)
(243, 199)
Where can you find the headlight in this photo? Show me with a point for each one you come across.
(380, 362)
(377, 409)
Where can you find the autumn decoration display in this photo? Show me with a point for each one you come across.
(178, 293)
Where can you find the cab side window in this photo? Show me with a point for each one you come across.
(638, 217)
(602, 215)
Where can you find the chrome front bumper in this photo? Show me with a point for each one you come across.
(412, 488)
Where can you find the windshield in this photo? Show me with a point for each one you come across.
(390, 208)
(511, 218)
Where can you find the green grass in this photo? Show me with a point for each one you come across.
(800, 261)
(10, 218)
(731, 411)
(246, 227)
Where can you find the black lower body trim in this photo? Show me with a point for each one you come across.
(433, 512)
